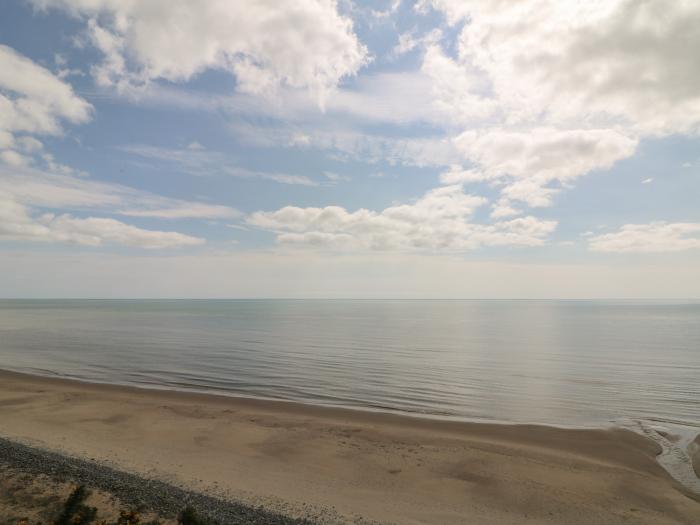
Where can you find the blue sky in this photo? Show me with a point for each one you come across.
(349, 149)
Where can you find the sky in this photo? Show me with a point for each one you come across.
(320, 148)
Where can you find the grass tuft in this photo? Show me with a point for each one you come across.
(189, 516)
(75, 512)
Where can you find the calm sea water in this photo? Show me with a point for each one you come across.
(520, 361)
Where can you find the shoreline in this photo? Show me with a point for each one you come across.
(214, 394)
(364, 465)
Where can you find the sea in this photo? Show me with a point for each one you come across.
(630, 364)
(577, 363)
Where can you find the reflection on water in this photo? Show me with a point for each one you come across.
(558, 362)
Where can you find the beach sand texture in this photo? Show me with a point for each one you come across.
(351, 465)
(694, 451)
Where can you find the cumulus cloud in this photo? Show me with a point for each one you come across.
(623, 61)
(547, 92)
(297, 43)
(529, 162)
(502, 209)
(648, 238)
(438, 221)
(457, 95)
(552, 90)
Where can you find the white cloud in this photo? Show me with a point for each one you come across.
(438, 221)
(503, 209)
(34, 100)
(39, 189)
(407, 42)
(622, 61)
(458, 95)
(648, 180)
(26, 193)
(530, 162)
(29, 144)
(648, 238)
(281, 178)
(172, 209)
(390, 10)
(551, 90)
(457, 175)
(13, 158)
(396, 98)
(296, 43)
(18, 224)
(97, 231)
(346, 126)
(6, 139)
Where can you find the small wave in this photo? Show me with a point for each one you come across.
(674, 457)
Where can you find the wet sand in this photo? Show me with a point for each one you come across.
(350, 465)
(694, 452)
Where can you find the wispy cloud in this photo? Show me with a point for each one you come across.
(201, 162)
(18, 225)
(42, 189)
(335, 178)
(30, 198)
(649, 238)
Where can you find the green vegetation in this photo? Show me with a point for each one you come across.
(189, 517)
(75, 512)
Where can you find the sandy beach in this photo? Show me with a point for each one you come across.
(349, 465)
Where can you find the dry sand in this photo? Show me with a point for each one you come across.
(352, 464)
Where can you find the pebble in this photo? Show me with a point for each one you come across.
(154, 495)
